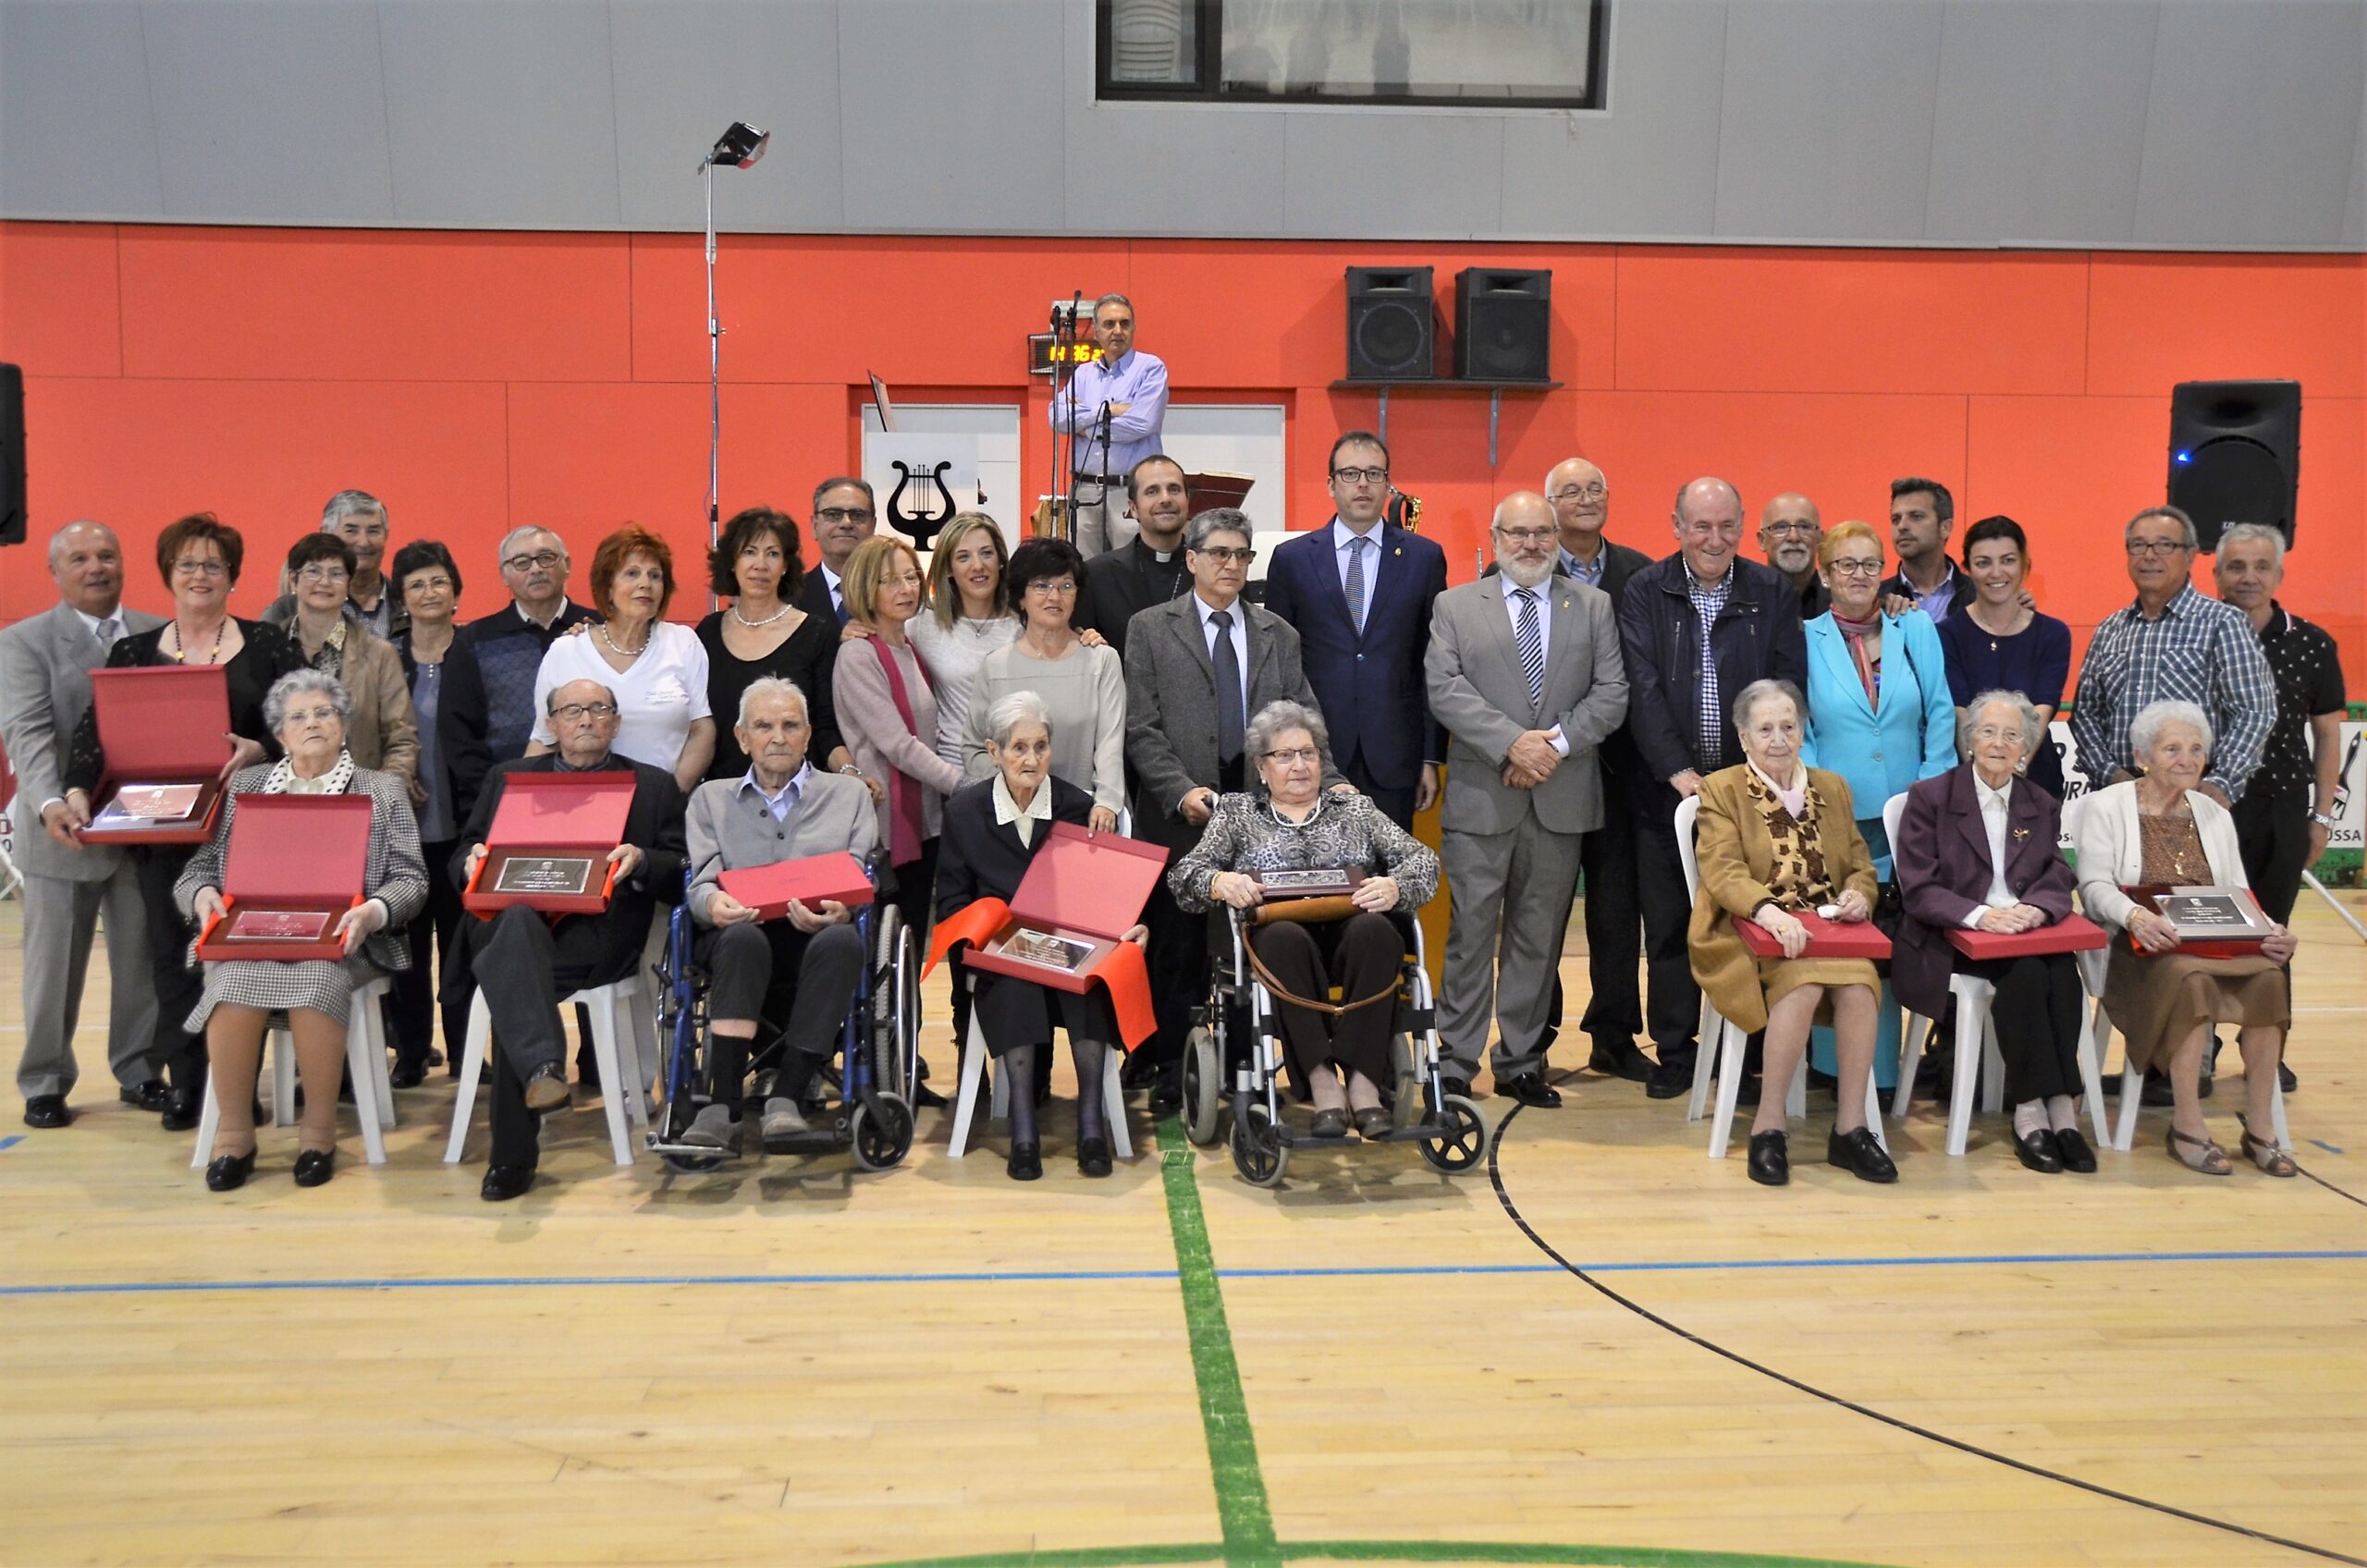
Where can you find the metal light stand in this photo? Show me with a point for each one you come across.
(740, 146)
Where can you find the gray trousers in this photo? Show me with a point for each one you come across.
(60, 918)
(1102, 521)
(1509, 901)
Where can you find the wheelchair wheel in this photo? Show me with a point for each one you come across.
(1464, 1140)
(882, 1141)
(1258, 1152)
(896, 1008)
(1203, 1088)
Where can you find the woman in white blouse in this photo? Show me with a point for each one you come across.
(658, 670)
(965, 622)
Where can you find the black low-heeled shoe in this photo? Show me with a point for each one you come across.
(1093, 1157)
(2073, 1150)
(229, 1171)
(2036, 1149)
(1771, 1160)
(314, 1166)
(183, 1107)
(1859, 1153)
(1025, 1164)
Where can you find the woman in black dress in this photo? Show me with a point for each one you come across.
(1997, 642)
(199, 557)
(755, 565)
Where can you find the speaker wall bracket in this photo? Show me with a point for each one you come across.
(1495, 390)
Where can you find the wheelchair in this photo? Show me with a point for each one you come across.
(1237, 1040)
(874, 1076)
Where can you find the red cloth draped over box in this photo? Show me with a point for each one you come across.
(549, 843)
(1082, 893)
(163, 733)
(812, 881)
(1827, 938)
(296, 865)
(2072, 934)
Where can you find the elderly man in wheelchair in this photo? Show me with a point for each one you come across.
(806, 965)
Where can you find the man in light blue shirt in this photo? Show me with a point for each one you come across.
(1112, 413)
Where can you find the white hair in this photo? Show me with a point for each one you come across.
(57, 540)
(2255, 533)
(351, 503)
(294, 684)
(501, 552)
(1013, 709)
(2032, 726)
(768, 686)
(1759, 692)
(2155, 717)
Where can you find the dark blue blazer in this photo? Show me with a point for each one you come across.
(1370, 686)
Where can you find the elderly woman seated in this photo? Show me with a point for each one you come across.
(1777, 836)
(1291, 824)
(1978, 850)
(307, 712)
(809, 961)
(994, 828)
(2145, 836)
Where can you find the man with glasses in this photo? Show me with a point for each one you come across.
(540, 959)
(359, 519)
(1525, 671)
(1358, 592)
(844, 516)
(1790, 532)
(1111, 411)
(1696, 628)
(487, 713)
(2172, 643)
(1196, 667)
(1148, 570)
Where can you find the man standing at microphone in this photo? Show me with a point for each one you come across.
(1113, 407)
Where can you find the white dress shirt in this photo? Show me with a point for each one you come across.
(1345, 542)
(1021, 819)
(1996, 810)
(1544, 591)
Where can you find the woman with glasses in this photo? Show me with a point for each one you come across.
(1999, 642)
(199, 557)
(1290, 822)
(658, 669)
(382, 730)
(758, 565)
(1078, 681)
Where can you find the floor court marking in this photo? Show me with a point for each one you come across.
(1585, 1277)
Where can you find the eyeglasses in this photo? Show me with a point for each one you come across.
(323, 572)
(1793, 526)
(1297, 754)
(1518, 536)
(1361, 476)
(1852, 567)
(1999, 732)
(201, 568)
(427, 585)
(1059, 587)
(2154, 547)
(1594, 492)
(307, 716)
(544, 559)
(578, 711)
(844, 514)
(1226, 555)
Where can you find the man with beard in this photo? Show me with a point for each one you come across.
(1790, 532)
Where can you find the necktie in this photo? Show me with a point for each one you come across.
(1356, 581)
(1231, 721)
(838, 604)
(1532, 645)
(109, 629)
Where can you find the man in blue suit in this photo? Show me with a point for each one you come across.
(1359, 591)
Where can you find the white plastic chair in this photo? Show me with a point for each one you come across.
(965, 1106)
(624, 1044)
(365, 1057)
(1732, 1042)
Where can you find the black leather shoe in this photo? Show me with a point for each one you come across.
(1372, 1122)
(1530, 1088)
(1025, 1164)
(1620, 1058)
(1771, 1162)
(1167, 1094)
(2073, 1150)
(546, 1088)
(1450, 1084)
(2285, 1079)
(47, 1110)
(1859, 1154)
(503, 1183)
(2036, 1149)
(149, 1094)
(1093, 1157)
(925, 1096)
(314, 1166)
(407, 1075)
(182, 1108)
(1140, 1072)
(1670, 1079)
(229, 1171)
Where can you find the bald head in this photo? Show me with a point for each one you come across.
(1581, 501)
(86, 562)
(583, 715)
(1708, 526)
(1790, 528)
(1525, 538)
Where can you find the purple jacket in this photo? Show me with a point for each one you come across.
(1940, 859)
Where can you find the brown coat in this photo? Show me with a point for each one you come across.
(1736, 856)
(384, 731)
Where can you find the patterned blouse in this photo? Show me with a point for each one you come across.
(1245, 834)
(1800, 879)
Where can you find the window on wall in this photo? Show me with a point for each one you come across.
(1473, 54)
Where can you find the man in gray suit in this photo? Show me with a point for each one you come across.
(1524, 671)
(45, 664)
(779, 810)
(1196, 668)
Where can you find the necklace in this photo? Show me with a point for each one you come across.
(181, 646)
(767, 621)
(624, 653)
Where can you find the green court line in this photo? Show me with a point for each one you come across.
(1381, 1552)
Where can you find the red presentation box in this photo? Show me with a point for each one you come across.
(1083, 892)
(2072, 934)
(296, 865)
(549, 843)
(1827, 938)
(812, 881)
(162, 729)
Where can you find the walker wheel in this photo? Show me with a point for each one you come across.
(1463, 1141)
(1258, 1152)
(881, 1140)
(1203, 1090)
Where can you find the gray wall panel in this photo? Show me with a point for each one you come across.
(690, 68)
(74, 119)
(1354, 175)
(502, 112)
(2251, 104)
(264, 109)
(2354, 223)
(1826, 128)
(2040, 124)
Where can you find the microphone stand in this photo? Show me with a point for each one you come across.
(714, 381)
(1064, 475)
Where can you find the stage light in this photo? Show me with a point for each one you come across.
(740, 146)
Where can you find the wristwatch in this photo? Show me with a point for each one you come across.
(2322, 820)
(851, 771)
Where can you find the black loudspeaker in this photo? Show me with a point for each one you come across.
(1502, 325)
(2235, 454)
(1392, 325)
(12, 455)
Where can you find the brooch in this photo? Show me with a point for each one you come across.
(2021, 833)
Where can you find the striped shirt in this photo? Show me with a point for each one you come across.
(1709, 603)
(2198, 651)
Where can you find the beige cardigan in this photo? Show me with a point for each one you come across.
(2112, 849)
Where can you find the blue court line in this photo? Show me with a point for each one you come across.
(1090, 1276)
(11, 1141)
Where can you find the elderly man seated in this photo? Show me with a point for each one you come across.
(779, 810)
(537, 959)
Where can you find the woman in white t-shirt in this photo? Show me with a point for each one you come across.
(658, 669)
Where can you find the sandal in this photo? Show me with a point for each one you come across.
(2266, 1155)
(2212, 1161)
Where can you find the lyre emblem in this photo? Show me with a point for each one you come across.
(916, 523)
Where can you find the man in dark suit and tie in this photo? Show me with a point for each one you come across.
(1358, 592)
(45, 664)
(844, 515)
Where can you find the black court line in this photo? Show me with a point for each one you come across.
(1496, 1179)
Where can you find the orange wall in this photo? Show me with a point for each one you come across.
(482, 380)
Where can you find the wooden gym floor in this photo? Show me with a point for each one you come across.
(1605, 1350)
